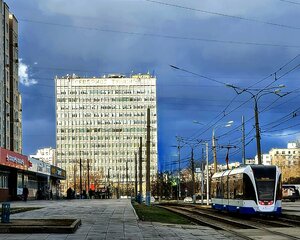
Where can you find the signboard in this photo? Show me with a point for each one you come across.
(15, 160)
(58, 172)
(39, 166)
(198, 170)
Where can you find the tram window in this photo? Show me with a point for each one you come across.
(231, 187)
(249, 193)
(219, 188)
(214, 188)
(225, 186)
(279, 189)
(238, 186)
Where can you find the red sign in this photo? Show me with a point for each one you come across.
(12, 159)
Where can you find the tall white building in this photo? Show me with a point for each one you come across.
(100, 121)
(47, 155)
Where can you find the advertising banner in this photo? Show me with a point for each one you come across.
(39, 166)
(15, 160)
(58, 172)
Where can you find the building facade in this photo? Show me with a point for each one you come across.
(47, 155)
(18, 171)
(265, 159)
(10, 98)
(99, 123)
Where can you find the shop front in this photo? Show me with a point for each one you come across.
(39, 179)
(13, 174)
(56, 175)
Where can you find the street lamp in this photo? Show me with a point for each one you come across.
(228, 124)
(256, 96)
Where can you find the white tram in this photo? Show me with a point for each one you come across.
(248, 189)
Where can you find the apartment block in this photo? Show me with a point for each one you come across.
(46, 155)
(99, 122)
(10, 98)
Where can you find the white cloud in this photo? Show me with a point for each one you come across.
(24, 76)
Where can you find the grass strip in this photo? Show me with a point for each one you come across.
(21, 209)
(157, 214)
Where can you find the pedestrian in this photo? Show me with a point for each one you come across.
(51, 195)
(25, 193)
(69, 193)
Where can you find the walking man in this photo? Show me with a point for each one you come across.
(25, 193)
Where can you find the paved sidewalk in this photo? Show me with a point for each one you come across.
(106, 219)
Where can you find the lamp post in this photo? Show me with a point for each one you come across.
(228, 124)
(256, 95)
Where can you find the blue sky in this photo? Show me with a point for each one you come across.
(231, 41)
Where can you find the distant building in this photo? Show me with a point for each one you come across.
(99, 123)
(10, 98)
(289, 156)
(230, 166)
(265, 159)
(250, 161)
(288, 159)
(47, 155)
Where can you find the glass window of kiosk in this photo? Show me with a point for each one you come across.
(20, 180)
(3, 181)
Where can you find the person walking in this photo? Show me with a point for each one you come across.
(25, 193)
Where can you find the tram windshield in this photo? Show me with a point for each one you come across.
(265, 177)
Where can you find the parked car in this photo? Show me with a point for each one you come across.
(188, 200)
(290, 192)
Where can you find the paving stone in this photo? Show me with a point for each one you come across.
(107, 219)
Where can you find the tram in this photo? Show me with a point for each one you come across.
(249, 189)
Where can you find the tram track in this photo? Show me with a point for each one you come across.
(233, 224)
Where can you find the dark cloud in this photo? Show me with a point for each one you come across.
(115, 38)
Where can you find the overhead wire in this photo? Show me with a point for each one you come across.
(156, 35)
(225, 15)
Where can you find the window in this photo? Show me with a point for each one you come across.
(3, 181)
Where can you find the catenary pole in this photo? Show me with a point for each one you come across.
(243, 141)
(148, 191)
(207, 177)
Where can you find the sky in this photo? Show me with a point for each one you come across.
(250, 44)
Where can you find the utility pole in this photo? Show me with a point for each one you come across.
(141, 170)
(193, 175)
(214, 150)
(243, 141)
(257, 130)
(207, 177)
(256, 95)
(75, 168)
(178, 183)
(108, 180)
(148, 190)
(126, 178)
(135, 175)
(88, 174)
(227, 155)
(80, 177)
(202, 180)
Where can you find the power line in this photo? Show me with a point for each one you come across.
(226, 15)
(275, 79)
(281, 135)
(162, 35)
(297, 3)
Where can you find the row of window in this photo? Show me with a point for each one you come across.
(93, 137)
(102, 153)
(102, 145)
(95, 130)
(287, 152)
(120, 99)
(98, 91)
